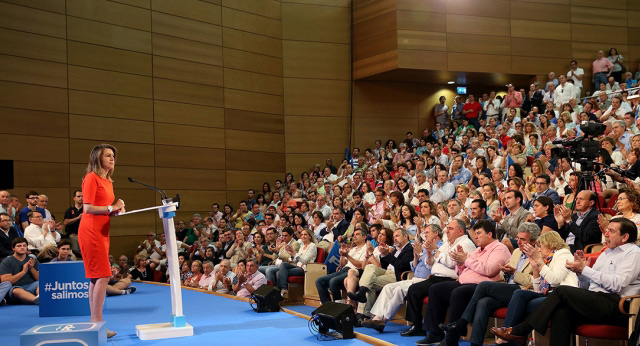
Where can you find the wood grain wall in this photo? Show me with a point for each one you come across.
(191, 92)
(531, 37)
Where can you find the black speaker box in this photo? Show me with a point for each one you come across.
(267, 299)
(6, 174)
(336, 316)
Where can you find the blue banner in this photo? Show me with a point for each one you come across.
(64, 290)
(333, 258)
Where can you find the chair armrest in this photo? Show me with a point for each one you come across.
(633, 307)
(408, 275)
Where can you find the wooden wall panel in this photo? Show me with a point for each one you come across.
(107, 105)
(26, 96)
(615, 4)
(254, 141)
(598, 33)
(540, 47)
(309, 23)
(199, 94)
(252, 62)
(32, 20)
(536, 29)
(187, 71)
(192, 9)
(376, 45)
(376, 26)
(34, 46)
(177, 156)
(143, 174)
(317, 97)
(25, 70)
(188, 114)
(98, 128)
(379, 100)
(298, 163)
(107, 58)
(89, 79)
(464, 43)
(482, 8)
(184, 178)
(479, 62)
(41, 174)
(34, 148)
(178, 48)
(129, 154)
(610, 17)
(367, 130)
(255, 102)
(250, 42)
(316, 60)
(22, 122)
(251, 22)
(186, 28)
(422, 40)
(255, 82)
(108, 35)
(253, 121)
(199, 201)
(587, 50)
(190, 136)
(304, 136)
(110, 12)
(478, 25)
(547, 12)
(423, 21)
(267, 8)
(242, 160)
(422, 5)
(57, 6)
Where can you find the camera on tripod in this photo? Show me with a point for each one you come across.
(583, 150)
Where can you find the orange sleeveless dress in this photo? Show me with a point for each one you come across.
(93, 232)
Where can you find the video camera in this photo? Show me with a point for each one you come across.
(583, 150)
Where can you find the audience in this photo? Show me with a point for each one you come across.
(21, 271)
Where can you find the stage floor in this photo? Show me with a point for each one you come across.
(216, 320)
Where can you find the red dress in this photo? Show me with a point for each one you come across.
(93, 233)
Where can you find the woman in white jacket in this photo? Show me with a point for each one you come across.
(297, 263)
(548, 261)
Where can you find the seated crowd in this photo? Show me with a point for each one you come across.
(480, 212)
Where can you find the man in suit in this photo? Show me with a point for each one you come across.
(490, 295)
(7, 234)
(542, 189)
(393, 262)
(482, 264)
(337, 224)
(508, 224)
(583, 223)
(614, 275)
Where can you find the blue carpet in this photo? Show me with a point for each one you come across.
(391, 330)
(216, 320)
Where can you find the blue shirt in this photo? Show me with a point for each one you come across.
(461, 177)
(25, 212)
(421, 270)
(522, 261)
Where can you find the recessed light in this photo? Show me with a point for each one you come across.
(451, 82)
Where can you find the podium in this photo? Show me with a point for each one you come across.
(177, 325)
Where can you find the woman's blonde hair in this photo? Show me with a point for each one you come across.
(312, 237)
(552, 240)
(95, 164)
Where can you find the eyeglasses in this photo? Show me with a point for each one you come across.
(540, 183)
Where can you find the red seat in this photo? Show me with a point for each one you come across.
(157, 276)
(608, 211)
(602, 331)
(601, 202)
(270, 283)
(425, 300)
(612, 201)
(530, 160)
(299, 279)
(295, 279)
(500, 313)
(321, 256)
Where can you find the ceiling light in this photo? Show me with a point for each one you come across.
(451, 82)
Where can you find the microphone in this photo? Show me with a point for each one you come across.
(163, 194)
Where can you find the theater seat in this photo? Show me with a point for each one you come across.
(425, 300)
(612, 201)
(298, 282)
(628, 306)
(608, 211)
(500, 313)
(530, 160)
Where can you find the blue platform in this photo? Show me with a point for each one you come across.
(216, 320)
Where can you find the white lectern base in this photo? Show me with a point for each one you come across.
(162, 331)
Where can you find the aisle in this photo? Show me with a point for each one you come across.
(216, 320)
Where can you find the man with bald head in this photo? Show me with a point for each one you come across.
(580, 228)
(5, 205)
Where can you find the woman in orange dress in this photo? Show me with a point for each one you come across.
(93, 233)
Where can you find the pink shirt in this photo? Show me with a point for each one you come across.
(205, 280)
(601, 65)
(513, 101)
(483, 264)
(377, 211)
(256, 280)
